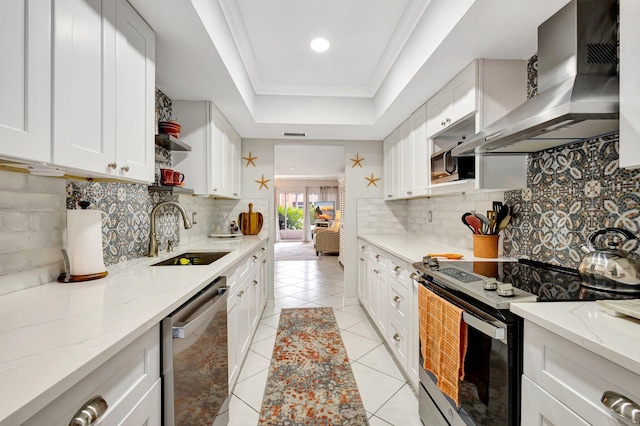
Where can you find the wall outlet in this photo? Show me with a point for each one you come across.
(430, 216)
(194, 220)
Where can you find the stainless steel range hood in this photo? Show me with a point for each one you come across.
(577, 82)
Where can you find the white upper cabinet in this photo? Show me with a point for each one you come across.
(483, 92)
(25, 80)
(457, 100)
(212, 167)
(629, 84)
(103, 89)
(406, 163)
(135, 95)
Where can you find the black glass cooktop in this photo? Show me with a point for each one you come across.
(548, 282)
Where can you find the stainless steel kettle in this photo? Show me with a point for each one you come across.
(611, 269)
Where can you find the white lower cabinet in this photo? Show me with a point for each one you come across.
(129, 382)
(386, 291)
(247, 298)
(563, 383)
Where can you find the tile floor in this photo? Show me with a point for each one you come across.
(387, 396)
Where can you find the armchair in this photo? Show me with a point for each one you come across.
(327, 240)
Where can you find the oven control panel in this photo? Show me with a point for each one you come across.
(459, 275)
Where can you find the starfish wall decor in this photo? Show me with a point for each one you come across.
(372, 180)
(357, 161)
(250, 160)
(263, 182)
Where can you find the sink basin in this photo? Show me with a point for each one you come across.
(195, 258)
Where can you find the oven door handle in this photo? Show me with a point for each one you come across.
(484, 327)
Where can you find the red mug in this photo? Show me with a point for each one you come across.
(177, 177)
(166, 176)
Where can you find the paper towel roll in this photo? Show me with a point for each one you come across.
(84, 242)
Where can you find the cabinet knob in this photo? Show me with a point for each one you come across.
(396, 299)
(255, 282)
(91, 411)
(264, 261)
(240, 293)
(448, 120)
(113, 165)
(397, 269)
(409, 193)
(376, 271)
(377, 257)
(235, 194)
(443, 123)
(389, 196)
(263, 249)
(254, 257)
(413, 276)
(396, 337)
(125, 168)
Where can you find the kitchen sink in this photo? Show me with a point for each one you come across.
(193, 258)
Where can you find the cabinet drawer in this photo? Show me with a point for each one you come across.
(398, 302)
(397, 337)
(379, 258)
(400, 271)
(540, 408)
(550, 361)
(123, 381)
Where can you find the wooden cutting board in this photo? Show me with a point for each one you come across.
(250, 223)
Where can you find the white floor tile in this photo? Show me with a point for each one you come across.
(377, 421)
(375, 387)
(253, 364)
(379, 359)
(331, 301)
(264, 347)
(251, 390)
(365, 329)
(263, 332)
(289, 302)
(401, 409)
(354, 310)
(271, 321)
(356, 345)
(239, 414)
(346, 320)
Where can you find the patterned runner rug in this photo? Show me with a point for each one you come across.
(310, 379)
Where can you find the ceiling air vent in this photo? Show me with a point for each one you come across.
(294, 134)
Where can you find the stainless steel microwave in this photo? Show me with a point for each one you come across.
(447, 168)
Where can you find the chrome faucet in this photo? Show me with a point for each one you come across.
(153, 241)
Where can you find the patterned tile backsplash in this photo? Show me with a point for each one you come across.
(572, 191)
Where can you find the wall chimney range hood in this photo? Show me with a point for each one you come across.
(577, 83)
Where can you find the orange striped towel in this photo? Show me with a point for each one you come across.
(444, 341)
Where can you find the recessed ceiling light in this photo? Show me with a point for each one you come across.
(320, 44)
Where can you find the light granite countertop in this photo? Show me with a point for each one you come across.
(53, 335)
(411, 248)
(588, 325)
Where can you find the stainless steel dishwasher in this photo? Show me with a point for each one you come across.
(195, 358)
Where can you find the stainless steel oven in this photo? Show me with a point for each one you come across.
(490, 391)
(195, 365)
(489, 394)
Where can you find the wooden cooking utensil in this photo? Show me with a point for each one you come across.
(447, 255)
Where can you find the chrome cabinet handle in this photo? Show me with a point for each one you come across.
(621, 406)
(397, 269)
(254, 257)
(396, 337)
(255, 282)
(125, 168)
(91, 411)
(112, 166)
(376, 271)
(413, 276)
(409, 192)
(377, 257)
(263, 249)
(235, 194)
(389, 196)
(396, 299)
